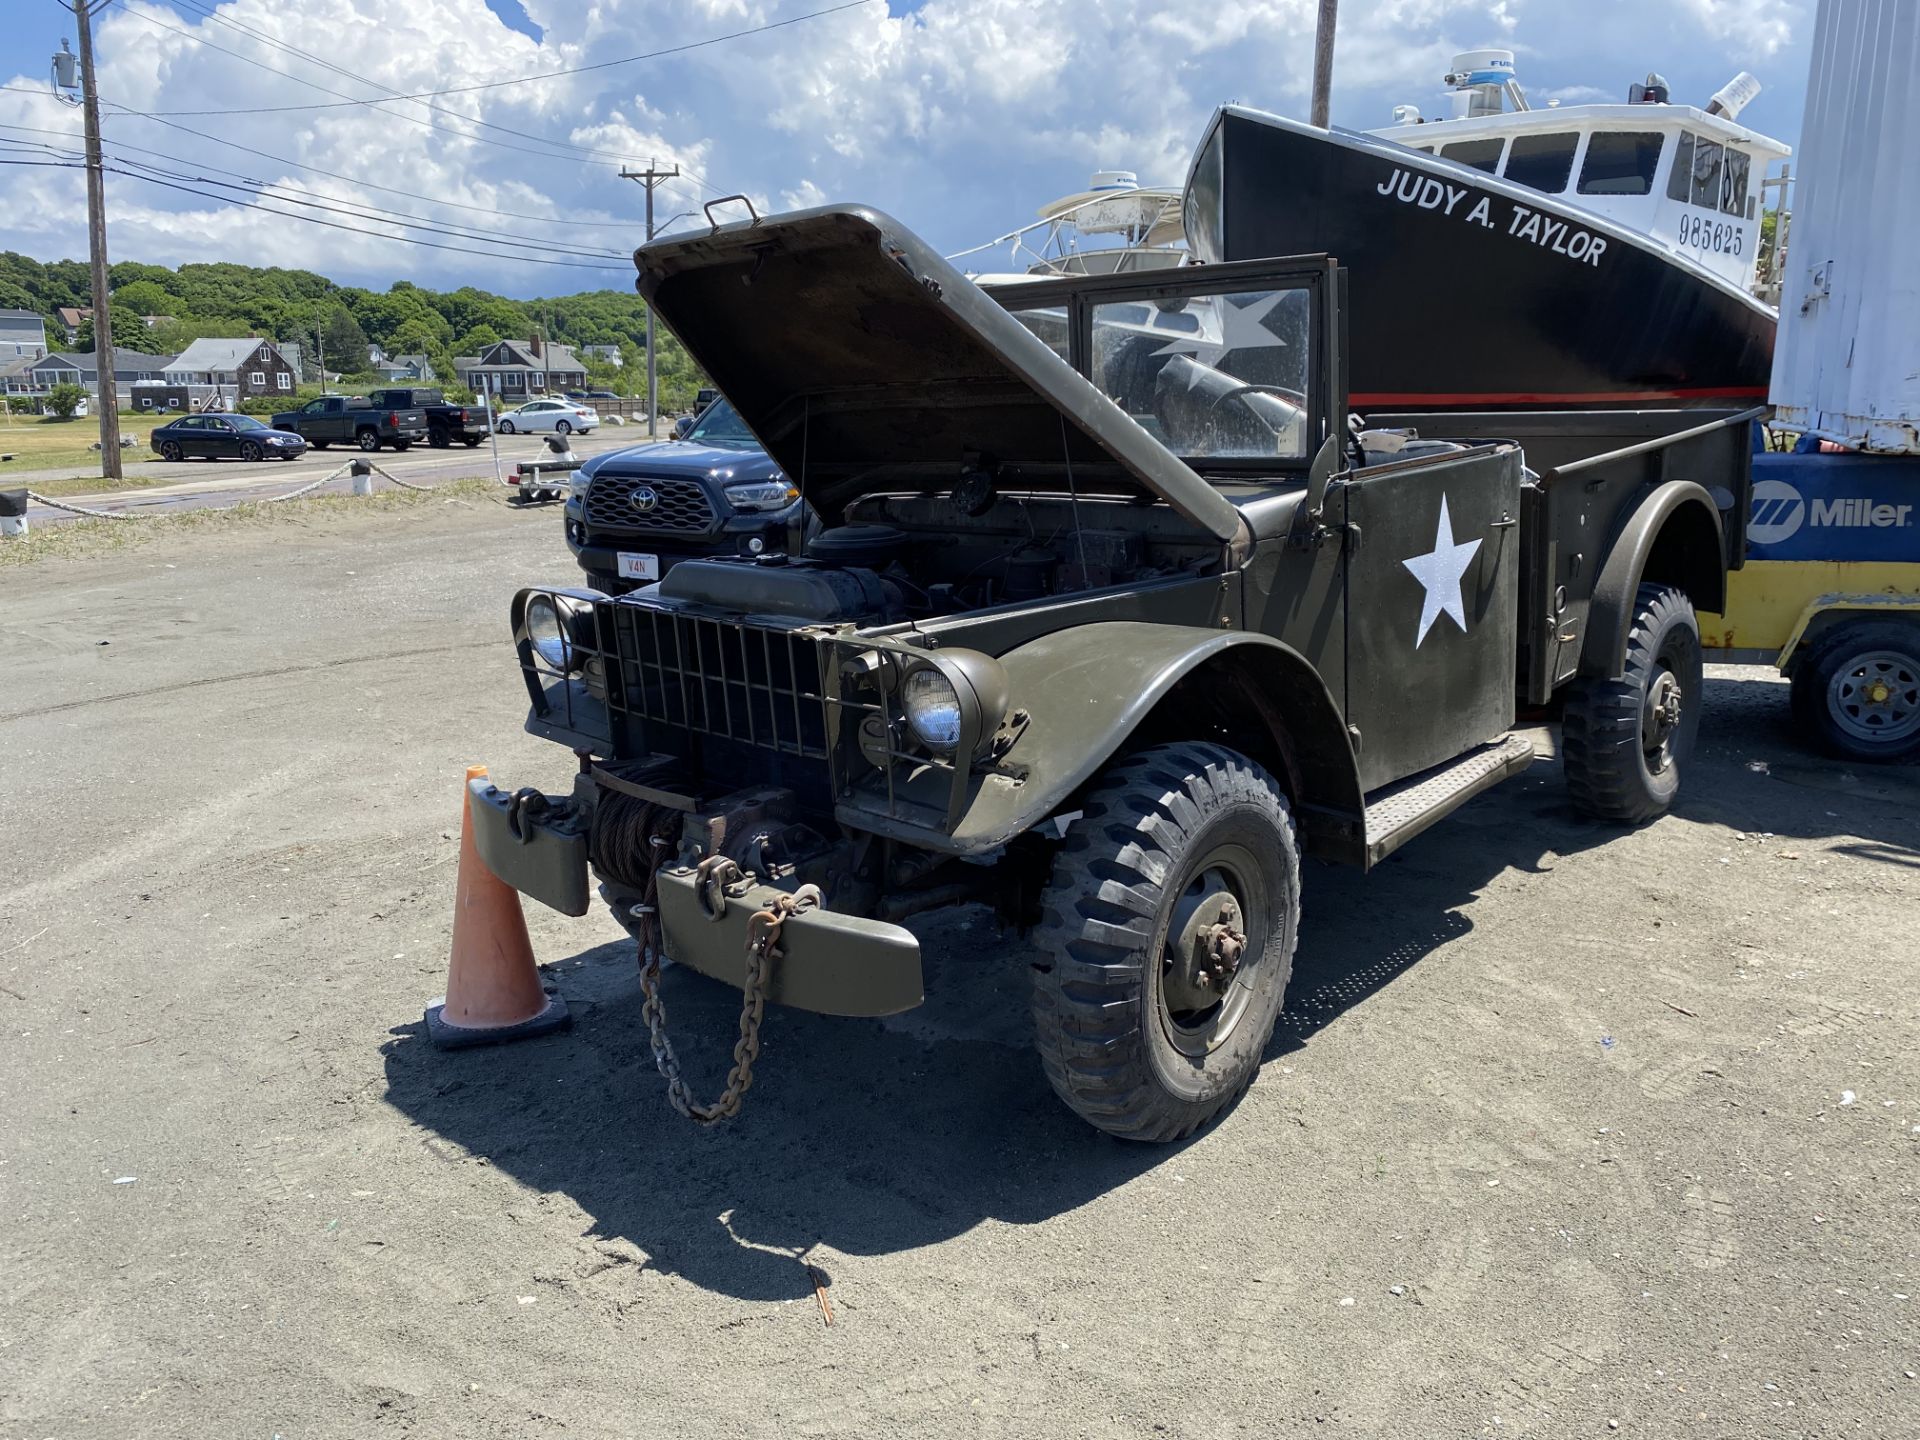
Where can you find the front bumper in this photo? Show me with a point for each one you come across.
(831, 963)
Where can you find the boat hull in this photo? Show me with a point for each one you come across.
(1467, 292)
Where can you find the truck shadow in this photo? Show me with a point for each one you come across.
(873, 1137)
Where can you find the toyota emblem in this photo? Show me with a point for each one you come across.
(645, 498)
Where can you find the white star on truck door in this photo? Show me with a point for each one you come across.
(1440, 571)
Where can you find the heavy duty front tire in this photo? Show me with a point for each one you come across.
(1625, 742)
(1144, 1027)
(1856, 693)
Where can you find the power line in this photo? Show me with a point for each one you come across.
(378, 102)
(359, 210)
(354, 229)
(390, 217)
(312, 220)
(350, 179)
(545, 75)
(240, 28)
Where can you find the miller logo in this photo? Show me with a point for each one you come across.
(645, 498)
(1779, 510)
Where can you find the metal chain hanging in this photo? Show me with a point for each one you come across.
(763, 949)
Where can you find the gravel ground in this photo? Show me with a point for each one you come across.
(1564, 1129)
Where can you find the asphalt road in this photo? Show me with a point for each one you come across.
(1563, 1129)
(197, 484)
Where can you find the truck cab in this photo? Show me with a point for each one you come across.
(1111, 618)
(354, 420)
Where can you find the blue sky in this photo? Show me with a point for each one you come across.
(959, 116)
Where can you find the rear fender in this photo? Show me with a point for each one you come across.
(1674, 537)
(1093, 691)
(1828, 611)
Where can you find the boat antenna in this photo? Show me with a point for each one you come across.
(1073, 497)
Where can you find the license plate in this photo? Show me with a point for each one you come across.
(639, 567)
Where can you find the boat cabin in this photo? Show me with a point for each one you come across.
(1686, 177)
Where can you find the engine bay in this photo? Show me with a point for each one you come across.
(911, 557)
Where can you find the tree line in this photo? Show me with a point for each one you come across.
(223, 300)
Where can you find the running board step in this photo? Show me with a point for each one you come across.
(1398, 812)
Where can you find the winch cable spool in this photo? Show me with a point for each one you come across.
(626, 827)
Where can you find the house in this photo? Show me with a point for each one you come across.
(71, 317)
(398, 368)
(515, 369)
(237, 369)
(22, 333)
(80, 368)
(16, 375)
(608, 353)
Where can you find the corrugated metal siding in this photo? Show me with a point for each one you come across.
(1847, 364)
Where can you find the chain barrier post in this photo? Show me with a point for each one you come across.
(362, 476)
(13, 514)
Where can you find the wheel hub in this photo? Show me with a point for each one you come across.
(1204, 950)
(1660, 720)
(1877, 697)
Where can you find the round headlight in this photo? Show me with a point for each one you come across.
(933, 708)
(548, 634)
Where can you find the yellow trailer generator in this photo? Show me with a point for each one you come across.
(1830, 594)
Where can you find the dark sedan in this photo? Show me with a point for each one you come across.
(216, 437)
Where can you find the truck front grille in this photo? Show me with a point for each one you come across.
(641, 502)
(748, 683)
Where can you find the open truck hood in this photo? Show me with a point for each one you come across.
(866, 363)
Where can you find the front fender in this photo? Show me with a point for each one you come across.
(1088, 689)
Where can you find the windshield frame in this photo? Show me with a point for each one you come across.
(1318, 275)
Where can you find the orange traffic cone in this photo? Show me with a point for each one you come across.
(493, 986)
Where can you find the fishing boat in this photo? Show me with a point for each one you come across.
(1116, 226)
(1509, 257)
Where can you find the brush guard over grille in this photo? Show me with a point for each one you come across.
(653, 678)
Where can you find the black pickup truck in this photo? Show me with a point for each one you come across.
(446, 422)
(354, 420)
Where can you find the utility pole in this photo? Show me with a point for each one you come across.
(652, 177)
(1323, 61)
(109, 395)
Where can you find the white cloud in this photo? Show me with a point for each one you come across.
(961, 116)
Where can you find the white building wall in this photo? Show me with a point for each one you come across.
(1847, 362)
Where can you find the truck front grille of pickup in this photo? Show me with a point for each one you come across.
(640, 502)
(746, 683)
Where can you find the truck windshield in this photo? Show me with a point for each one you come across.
(722, 426)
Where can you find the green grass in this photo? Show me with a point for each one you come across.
(41, 442)
(83, 539)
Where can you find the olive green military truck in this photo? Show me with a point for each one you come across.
(1113, 618)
